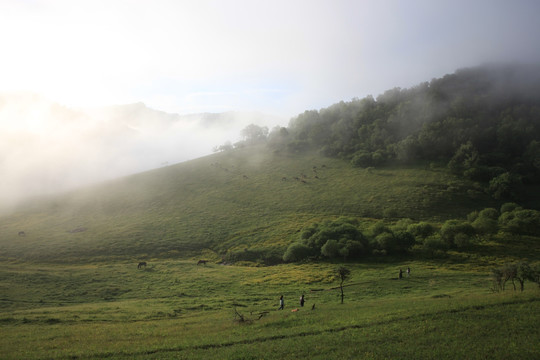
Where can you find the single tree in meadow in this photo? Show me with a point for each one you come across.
(343, 274)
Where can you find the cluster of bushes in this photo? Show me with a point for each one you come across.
(519, 272)
(345, 238)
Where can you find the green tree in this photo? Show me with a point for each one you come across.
(505, 186)
(343, 273)
(465, 158)
(253, 133)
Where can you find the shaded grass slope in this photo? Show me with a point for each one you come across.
(248, 198)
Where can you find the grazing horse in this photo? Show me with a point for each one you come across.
(22, 233)
(141, 264)
(202, 262)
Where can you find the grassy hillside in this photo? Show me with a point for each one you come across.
(70, 287)
(242, 199)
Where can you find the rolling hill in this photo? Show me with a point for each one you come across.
(435, 152)
(243, 199)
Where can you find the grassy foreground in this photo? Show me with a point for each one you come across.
(178, 310)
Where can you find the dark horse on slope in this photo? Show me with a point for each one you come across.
(141, 264)
(202, 262)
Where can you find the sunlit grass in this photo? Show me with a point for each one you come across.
(176, 309)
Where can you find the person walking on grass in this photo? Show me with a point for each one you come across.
(302, 300)
(281, 303)
(400, 274)
(408, 271)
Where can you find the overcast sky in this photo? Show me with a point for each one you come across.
(275, 57)
(279, 57)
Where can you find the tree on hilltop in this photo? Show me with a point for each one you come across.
(253, 133)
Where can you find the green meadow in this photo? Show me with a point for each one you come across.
(70, 287)
(176, 309)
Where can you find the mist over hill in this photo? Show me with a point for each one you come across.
(46, 147)
(441, 151)
(483, 123)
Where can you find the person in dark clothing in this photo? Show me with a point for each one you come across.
(302, 300)
(281, 303)
(400, 273)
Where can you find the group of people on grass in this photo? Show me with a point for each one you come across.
(401, 272)
(282, 302)
(302, 299)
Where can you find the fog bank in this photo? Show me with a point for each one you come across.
(47, 148)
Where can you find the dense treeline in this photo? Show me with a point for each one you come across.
(483, 123)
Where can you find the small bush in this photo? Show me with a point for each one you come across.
(526, 222)
(509, 207)
(297, 252)
(422, 229)
(453, 227)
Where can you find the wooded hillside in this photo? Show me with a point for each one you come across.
(483, 123)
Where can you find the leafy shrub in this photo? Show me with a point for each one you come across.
(361, 158)
(486, 221)
(484, 225)
(489, 213)
(402, 225)
(340, 237)
(378, 228)
(508, 207)
(422, 229)
(472, 216)
(393, 243)
(331, 249)
(297, 252)
(505, 186)
(384, 241)
(451, 228)
(521, 221)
